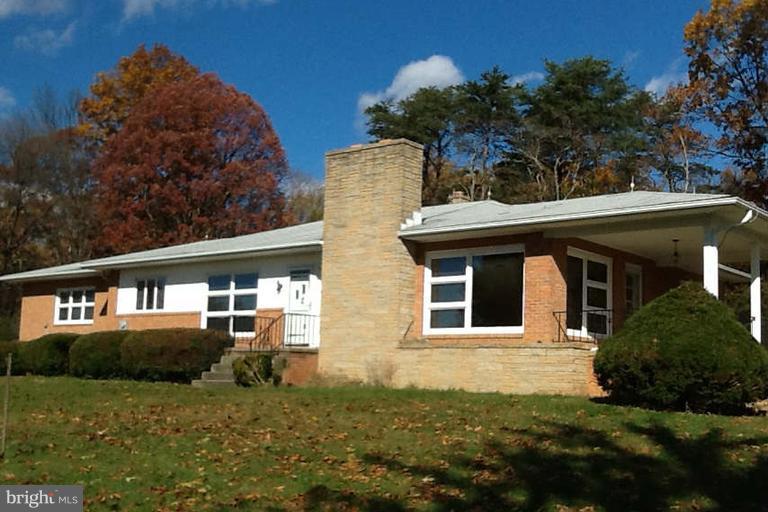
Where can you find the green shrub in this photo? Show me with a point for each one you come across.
(9, 328)
(737, 297)
(97, 355)
(256, 369)
(47, 355)
(684, 351)
(177, 355)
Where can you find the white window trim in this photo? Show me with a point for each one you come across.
(466, 304)
(231, 292)
(587, 256)
(154, 309)
(58, 305)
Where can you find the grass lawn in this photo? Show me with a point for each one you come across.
(141, 446)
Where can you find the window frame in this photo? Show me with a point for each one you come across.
(145, 291)
(57, 305)
(467, 280)
(634, 270)
(586, 257)
(231, 293)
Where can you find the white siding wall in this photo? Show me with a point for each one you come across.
(187, 285)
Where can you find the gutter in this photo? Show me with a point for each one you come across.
(48, 277)
(414, 234)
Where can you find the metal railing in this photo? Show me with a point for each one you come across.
(285, 331)
(593, 325)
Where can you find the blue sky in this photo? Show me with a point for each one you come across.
(312, 64)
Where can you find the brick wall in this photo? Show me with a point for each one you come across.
(38, 304)
(160, 320)
(368, 286)
(301, 366)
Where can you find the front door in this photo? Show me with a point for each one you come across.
(299, 290)
(298, 322)
(589, 295)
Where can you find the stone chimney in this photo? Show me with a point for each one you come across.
(368, 273)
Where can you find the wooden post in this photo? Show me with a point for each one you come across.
(8, 363)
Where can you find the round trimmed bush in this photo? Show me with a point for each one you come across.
(684, 351)
(97, 355)
(47, 355)
(177, 355)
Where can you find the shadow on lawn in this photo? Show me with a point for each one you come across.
(569, 466)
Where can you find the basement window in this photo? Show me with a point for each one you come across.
(232, 303)
(474, 291)
(150, 294)
(74, 306)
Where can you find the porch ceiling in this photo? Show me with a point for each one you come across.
(653, 237)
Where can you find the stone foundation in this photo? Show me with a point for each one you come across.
(547, 368)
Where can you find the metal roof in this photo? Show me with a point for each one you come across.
(62, 271)
(290, 239)
(488, 214)
(449, 218)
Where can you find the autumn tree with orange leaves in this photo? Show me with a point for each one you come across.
(195, 159)
(115, 92)
(728, 74)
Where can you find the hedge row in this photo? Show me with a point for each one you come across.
(176, 355)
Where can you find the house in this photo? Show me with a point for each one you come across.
(482, 296)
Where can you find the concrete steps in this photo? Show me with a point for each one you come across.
(220, 374)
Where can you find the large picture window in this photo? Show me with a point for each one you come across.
(474, 291)
(232, 303)
(75, 306)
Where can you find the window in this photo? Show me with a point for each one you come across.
(588, 294)
(634, 289)
(232, 303)
(474, 291)
(75, 306)
(150, 294)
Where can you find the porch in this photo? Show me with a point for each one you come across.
(282, 331)
(717, 248)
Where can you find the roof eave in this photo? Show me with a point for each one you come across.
(20, 278)
(418, 234)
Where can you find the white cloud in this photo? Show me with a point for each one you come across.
(531, 76)
(659, 84)
(48, 42)
(137, 8)
(40, 7)
(7, 101)
(436, 71)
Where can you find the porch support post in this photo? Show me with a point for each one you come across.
(711, 263)
(755, 300)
